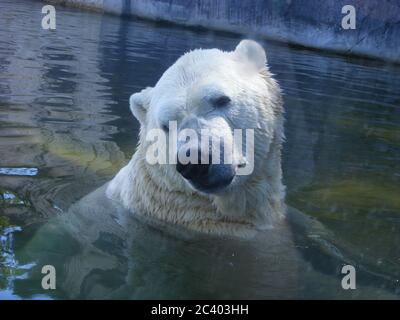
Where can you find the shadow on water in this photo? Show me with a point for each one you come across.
(65, 129)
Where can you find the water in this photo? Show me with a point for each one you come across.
(65, 129)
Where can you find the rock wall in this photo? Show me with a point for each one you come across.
(311, 23)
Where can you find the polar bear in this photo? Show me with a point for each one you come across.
(223, 91)
(102, 251)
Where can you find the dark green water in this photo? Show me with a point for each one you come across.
(65, 129)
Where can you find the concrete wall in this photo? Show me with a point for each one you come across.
(311, 23)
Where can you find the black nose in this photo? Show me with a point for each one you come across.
(207, 177)
(193, 171)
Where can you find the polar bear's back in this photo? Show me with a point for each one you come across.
(117, 256)
(102, 251)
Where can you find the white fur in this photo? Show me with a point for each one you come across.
(183, 91)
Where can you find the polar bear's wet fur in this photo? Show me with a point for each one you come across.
(187, 92)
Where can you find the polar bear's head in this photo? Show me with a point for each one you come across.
(213, 93)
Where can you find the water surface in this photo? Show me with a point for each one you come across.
(65, 129)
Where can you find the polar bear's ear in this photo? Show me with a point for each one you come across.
(139, 103)
(252, 52)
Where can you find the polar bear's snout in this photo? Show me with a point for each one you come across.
(206, 158)
(206, 177)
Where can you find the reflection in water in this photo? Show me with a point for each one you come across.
(19, 171)
(65, 129)
(9, 266)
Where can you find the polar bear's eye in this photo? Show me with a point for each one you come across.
(165, 127)
(222, 101)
